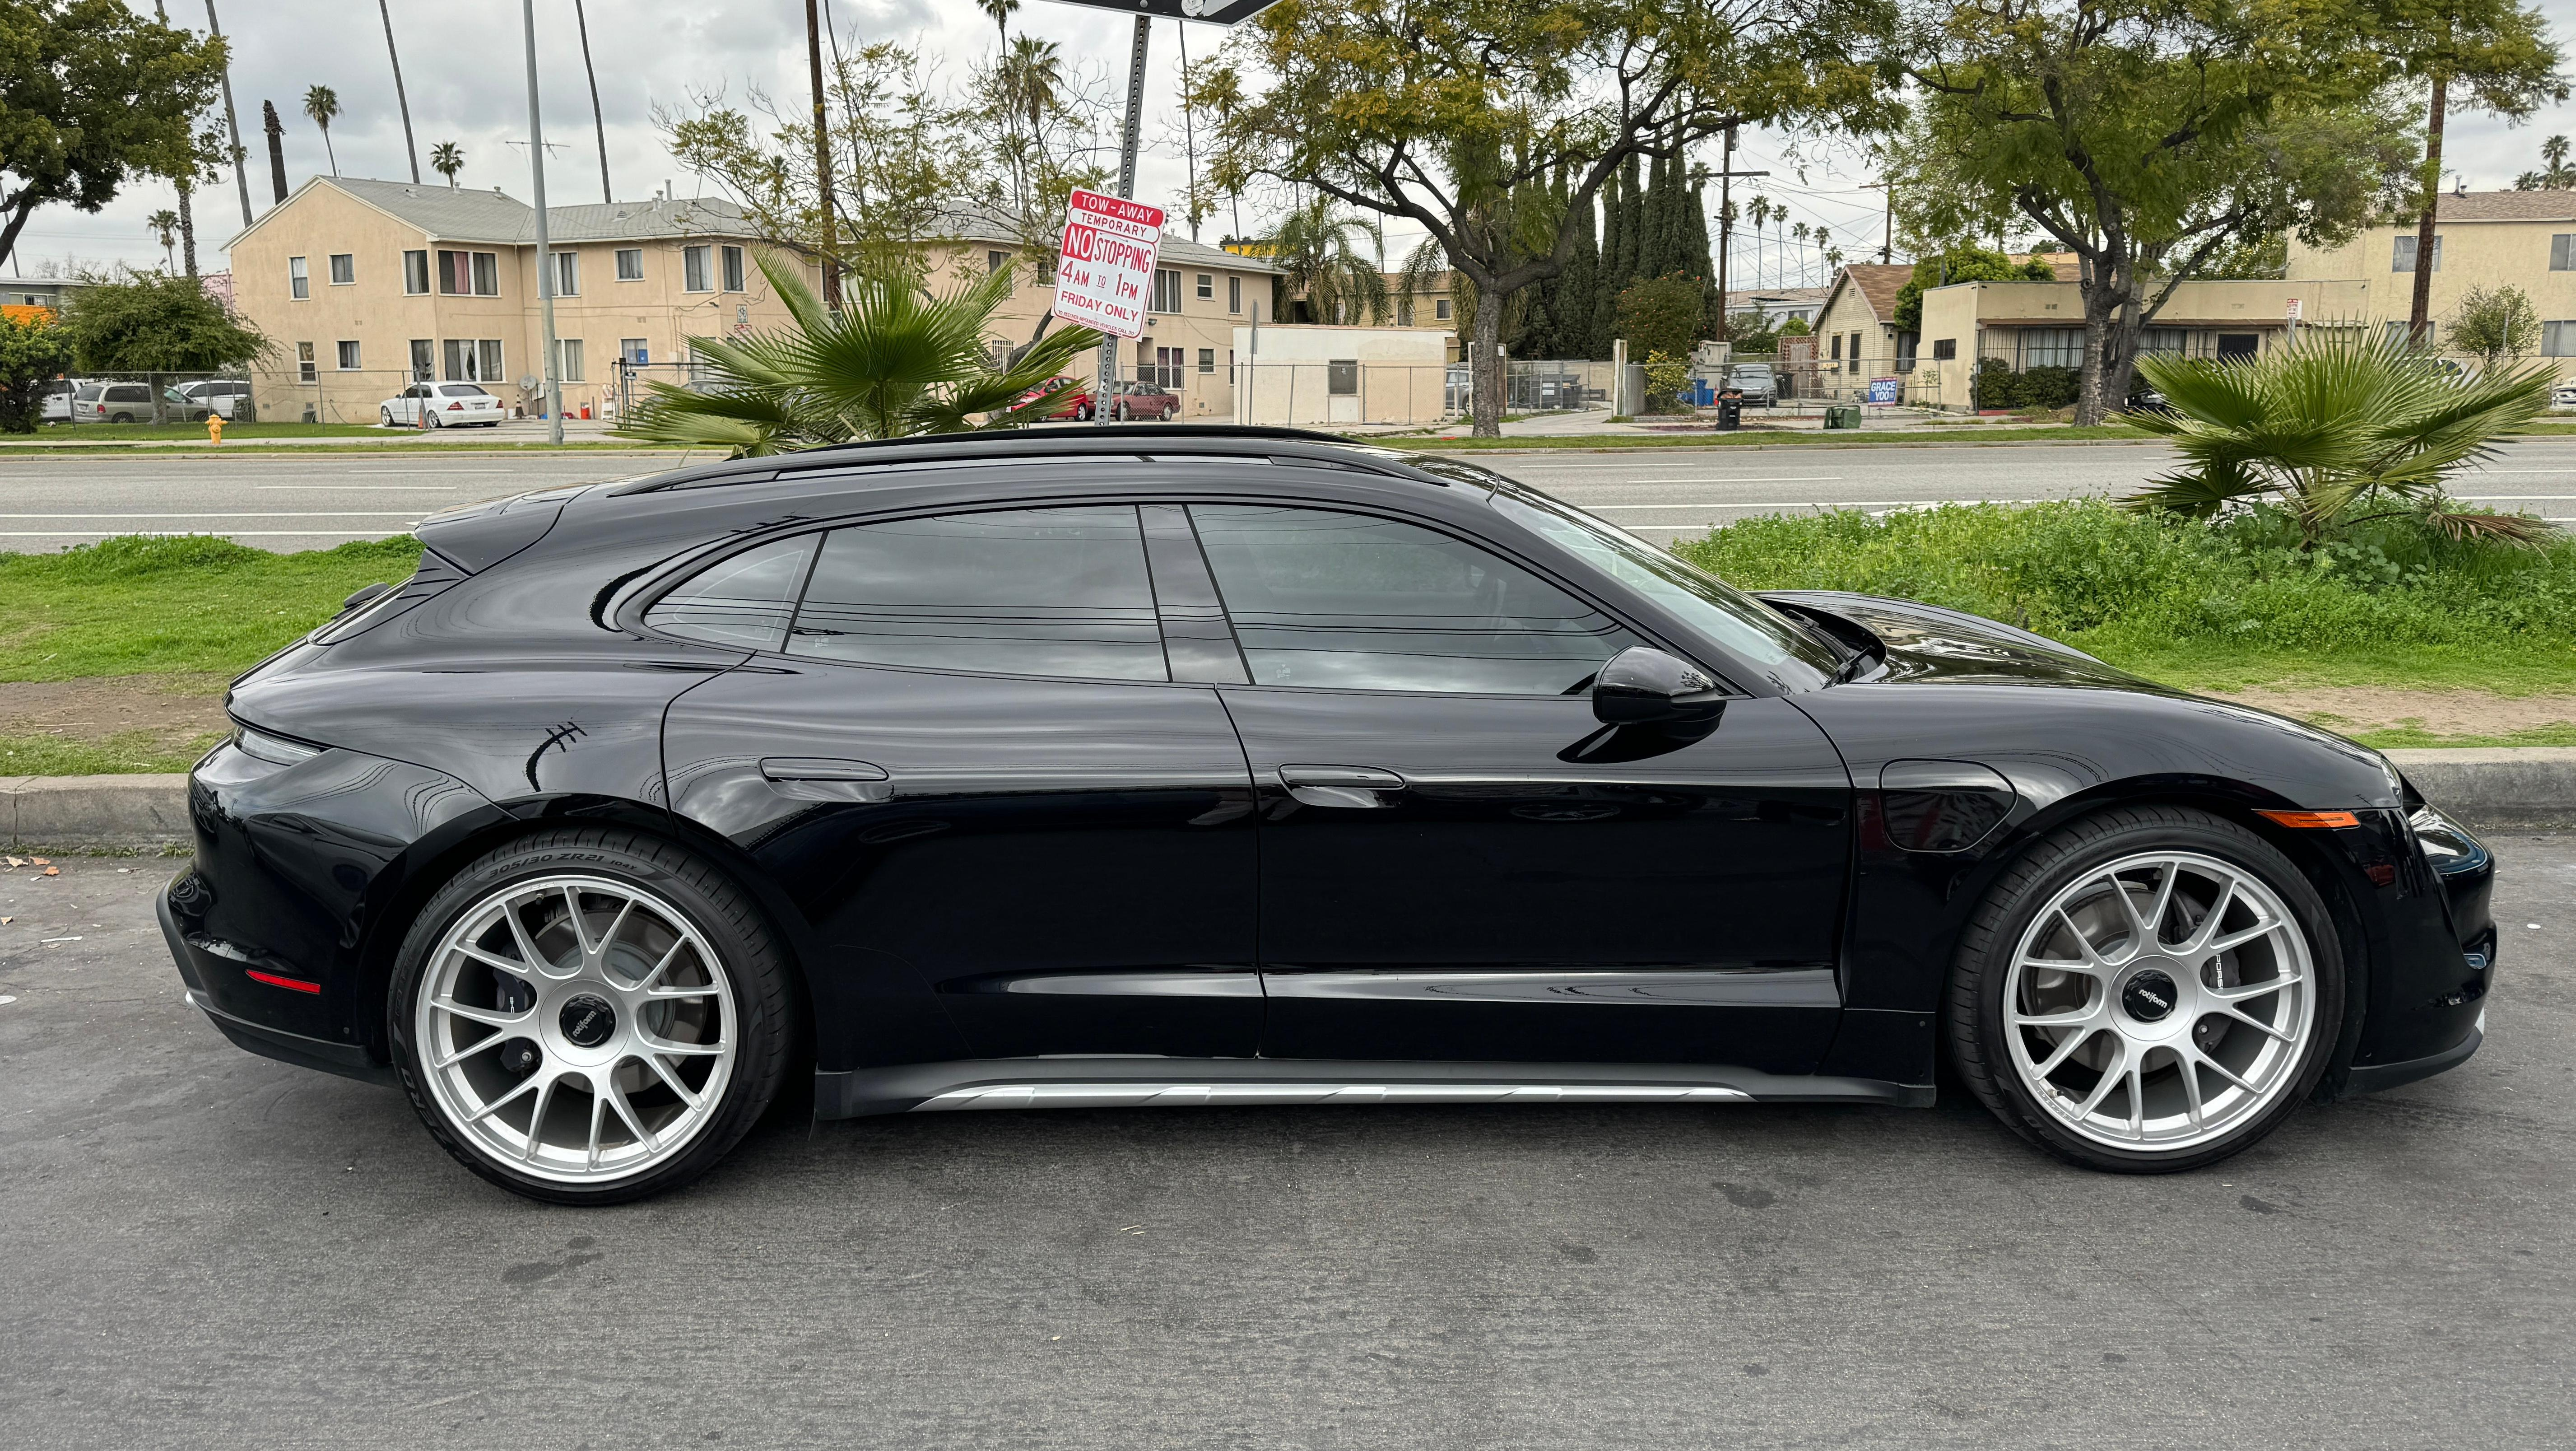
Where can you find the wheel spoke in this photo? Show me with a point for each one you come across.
(2190, 1066)
(634, 1125)
(2142, 927)
(572, 918)
(664, 965)
(598, 1107)
(526, 1086)
(2110, 1079)
(2137, 1095)
(2248, 991)
(2223, 1071)
(492, 1017)
(2065, 1050)
(616, 925)
(2251, 1021)
(480, 1045)
(537, 1115)
(494, 959)
(652, 1044)
(2164, 904)
(2093, 959)
(519, 935)
(670, 1080)
(683, 992)
(2217, 917)
(2235, 940)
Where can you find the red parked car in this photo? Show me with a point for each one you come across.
(1073, 400)
(1143, 400)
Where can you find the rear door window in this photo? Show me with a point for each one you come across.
(1059, 592)
(1351, 601)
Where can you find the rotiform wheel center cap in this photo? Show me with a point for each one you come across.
(588, 1019)
(2149, 997)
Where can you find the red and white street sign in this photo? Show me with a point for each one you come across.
(1104, 271)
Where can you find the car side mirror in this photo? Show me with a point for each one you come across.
(1645, 686)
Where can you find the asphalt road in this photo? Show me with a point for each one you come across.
(200, 1248)
(287, 503)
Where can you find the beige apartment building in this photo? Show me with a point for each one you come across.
(367, 286)
(2490, 239)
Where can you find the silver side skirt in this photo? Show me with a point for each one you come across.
(1203, 1095)
(1140, 1081)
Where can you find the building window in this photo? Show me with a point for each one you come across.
(1838, 347)
(1167, 290)
(1168, 366)
(1342, 377)
(2052, 347)
(733, 269)
(567, 274)
(415, 273)
(2402, 255)
(1440, 310)
(1944, 349)
(1207, 360)
(630, 264)
(633, 352)
(2562, 252)
(348, 357)
(299, 285)
(1234, 294)
(1855, 351)
(304, 361)
(344, 268)
(424, 359)
(694, 273)
(568, 367)
(995, 262)
(1404, 312)
(2557, 339)
(1207, 287)
(469, 274)
(472, 360)
(2162, 341)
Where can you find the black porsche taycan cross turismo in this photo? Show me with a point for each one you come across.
(1191, 766)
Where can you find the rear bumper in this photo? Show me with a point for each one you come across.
(196, 967)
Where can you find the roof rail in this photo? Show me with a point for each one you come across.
(1124, 437)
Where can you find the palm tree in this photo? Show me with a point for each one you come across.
(164, 226)
(187, 185)
(447, 158)
(232, 118)
(1799, 230)
(1033, 78)
(893, 362)
(1313, 249)
(598, 123)
(1757, 214)
(411, 149)
(2339, 429)
(322, 104)
(2555, 175)
(1001, 11)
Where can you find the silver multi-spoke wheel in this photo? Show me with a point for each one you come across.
(576, 1028)
(2160, 1001)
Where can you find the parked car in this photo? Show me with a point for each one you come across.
(1150, 401)
(57, 407)
(447, 405)
(227, 398)
(1756, 381)
(1378, 779)
(112, 403)
(1073, 400)
(2563, 396)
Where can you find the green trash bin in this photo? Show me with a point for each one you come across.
(1842, 415)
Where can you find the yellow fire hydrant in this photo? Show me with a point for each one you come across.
(214, 428)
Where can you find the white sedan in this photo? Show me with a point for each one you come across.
(448, 405)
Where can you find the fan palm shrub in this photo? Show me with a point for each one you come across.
(2335, 430)
(893, 362)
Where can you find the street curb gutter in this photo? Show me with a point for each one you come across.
(2524, 786)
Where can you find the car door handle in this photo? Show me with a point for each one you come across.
(1355, 787)
(827, 778)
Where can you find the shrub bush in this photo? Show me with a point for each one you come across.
(2041, 388)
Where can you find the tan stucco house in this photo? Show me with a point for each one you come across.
(2490, 239)
(366, 286)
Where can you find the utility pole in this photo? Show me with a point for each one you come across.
(1887, 238)
(232, 120)
(1126, 188)
(1726, 175)
(545, 248)
(823, 161)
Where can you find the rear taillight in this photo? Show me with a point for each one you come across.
(455, 407)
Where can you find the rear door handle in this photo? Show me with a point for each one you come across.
(827, 778)
(1362, 788)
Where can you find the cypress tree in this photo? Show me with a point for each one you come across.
(1613, 276)
(1576, 291)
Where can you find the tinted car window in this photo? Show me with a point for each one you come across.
(1323, 598)
(744, 601)
(1012, 592)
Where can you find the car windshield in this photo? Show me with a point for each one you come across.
(1785, 653)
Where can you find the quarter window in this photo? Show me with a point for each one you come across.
(1323, 598)
(1012, 592)
(745, 601)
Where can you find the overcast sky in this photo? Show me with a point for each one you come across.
(463, 67)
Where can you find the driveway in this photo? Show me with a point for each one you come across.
(201, 1248)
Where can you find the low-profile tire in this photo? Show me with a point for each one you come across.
(2149, 989)
(598, 1059)
(387, 415)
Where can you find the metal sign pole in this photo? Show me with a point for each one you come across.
(545, 250)
(1126, 188)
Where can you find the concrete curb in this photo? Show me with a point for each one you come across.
(2525, 786)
